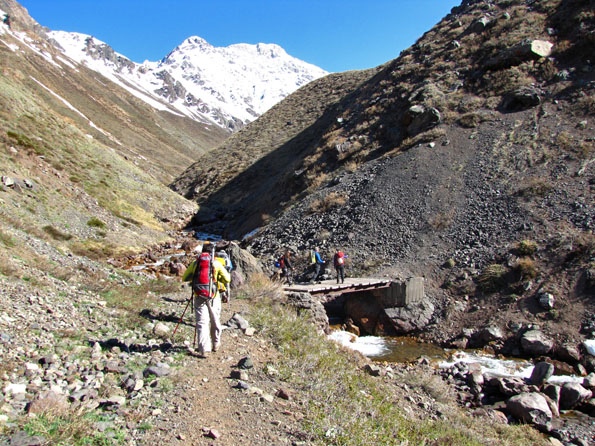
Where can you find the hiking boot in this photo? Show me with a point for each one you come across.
(216, 346)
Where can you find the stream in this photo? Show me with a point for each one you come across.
(404, 349)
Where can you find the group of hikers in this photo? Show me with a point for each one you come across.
(210, 277)
(316, 270)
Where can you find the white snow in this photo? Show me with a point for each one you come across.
(221, 84)
(590, 346)
(74, 109)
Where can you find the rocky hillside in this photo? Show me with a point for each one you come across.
(468, 160)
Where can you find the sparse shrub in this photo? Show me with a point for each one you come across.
(470, 104)
(442, 220)
(317, 179)
(565, 141)
(6, 239)
(260, 287)
(431, 135)
(470, 120)
(328, 202)
(585, 150)
(8, 268)
(526, 247)
(69, 427)
(513, 298)
(506, 80)
(350, 166)
(323, 235)
(450, 263)
(94, 222)
(535, 188)
(586, 104)
(56, 234)
(266, 218)
(493, 277)
(98, 250)
(526, 268)
(582, 246)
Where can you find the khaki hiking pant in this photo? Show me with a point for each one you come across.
(207, 313)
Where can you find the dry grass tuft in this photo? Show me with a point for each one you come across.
(327, 203)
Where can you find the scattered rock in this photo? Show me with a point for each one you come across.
(530, 408)
(245, 363)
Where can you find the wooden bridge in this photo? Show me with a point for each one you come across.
(391, 292)
(331, 286)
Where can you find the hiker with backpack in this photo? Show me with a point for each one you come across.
(205, 274)
(286, 265)
(318, 262)
(223, 258)
(339, 264)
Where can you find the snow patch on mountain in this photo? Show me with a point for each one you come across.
(229, 86)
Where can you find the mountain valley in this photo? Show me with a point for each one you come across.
(468, 160)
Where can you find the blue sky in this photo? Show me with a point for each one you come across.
(336, 35)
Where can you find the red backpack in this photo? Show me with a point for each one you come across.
(340, 258)
(203, 283)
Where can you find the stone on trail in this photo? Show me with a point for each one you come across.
(246, 363)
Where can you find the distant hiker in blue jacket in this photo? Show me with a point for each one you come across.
(317, 265)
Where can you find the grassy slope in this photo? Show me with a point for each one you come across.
(88, 195)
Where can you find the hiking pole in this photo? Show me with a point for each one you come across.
(195, 344)
(182, 318)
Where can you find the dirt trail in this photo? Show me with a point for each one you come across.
(206, 401)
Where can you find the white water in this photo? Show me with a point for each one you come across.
(374, 347)
(370, 346)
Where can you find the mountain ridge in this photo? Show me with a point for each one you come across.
(229, 86)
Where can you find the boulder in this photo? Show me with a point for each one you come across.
(158, 370)
(419, 118)
(536, 343)
(572, 394)
(525, 50)
(546, 300)
(521, 99)
(531, 408)
(541, 373)
(412, 317)
(177, 269)
(552, 391)
(49, 402)
(568, 352)
(306, 302)
(161, 330)
(510, 386)
(489, 334)
(589, 345)
(479, 25)
(589, 381)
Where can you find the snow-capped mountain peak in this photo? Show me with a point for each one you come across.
(230, 86)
